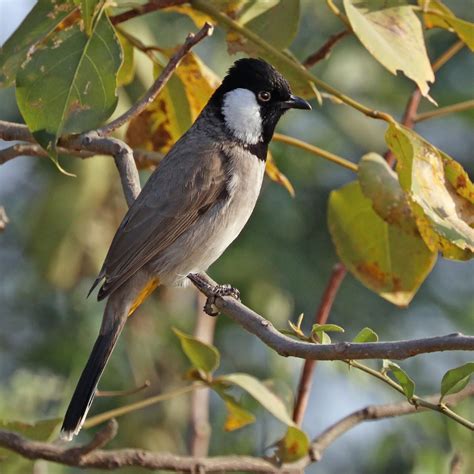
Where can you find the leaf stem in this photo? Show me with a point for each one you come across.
(449, 109)
(447, 55)
(316, 151)
(338, 13)
(415, 400)
(224, 20)
(98, 419)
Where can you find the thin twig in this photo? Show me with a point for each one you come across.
(325, 49)
(315, 151)
(122, 393)
(321, 317)
(286, 346)
(148, 7)
(449, 109)
(101, 439)
(376, 412)
(411, 108)
(415, 400)
(116, 412)
(338, 13)
(191, 40)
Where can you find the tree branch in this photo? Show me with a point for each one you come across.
(143, 158)
(325, 49)
(373, 413)
(91, 456)
(286, 346)
(191, 40)
(449, 109)
(148, 7)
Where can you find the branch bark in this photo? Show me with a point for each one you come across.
(286, 346)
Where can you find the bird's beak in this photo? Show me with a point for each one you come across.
(295, 102)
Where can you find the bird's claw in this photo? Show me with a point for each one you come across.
(214, 292)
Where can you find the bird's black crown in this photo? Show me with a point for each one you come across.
(255, 75)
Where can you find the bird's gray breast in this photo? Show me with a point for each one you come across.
(218, 226)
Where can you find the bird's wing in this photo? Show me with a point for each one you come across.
(186, 184)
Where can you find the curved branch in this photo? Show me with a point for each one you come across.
(376, 412)
(286, 346)
(91, 456)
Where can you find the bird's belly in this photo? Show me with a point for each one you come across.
(212, 233)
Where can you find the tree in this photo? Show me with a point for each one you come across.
(388, 226)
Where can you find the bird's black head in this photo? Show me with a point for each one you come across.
(252, 98)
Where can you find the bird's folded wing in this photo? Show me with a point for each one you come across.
(186, 186)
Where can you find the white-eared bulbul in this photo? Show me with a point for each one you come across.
(190, 210)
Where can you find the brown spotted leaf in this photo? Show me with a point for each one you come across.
(386, 258)
(440, 193)
(42, 20)
(68, 85)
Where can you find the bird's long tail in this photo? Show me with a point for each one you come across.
(87, 385)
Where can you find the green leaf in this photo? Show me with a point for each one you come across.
(43, 19)
(326, 327)
(392, 33)
(366, 335)
(126, 72)
(439, 15)
(89, 10)
(39, 431)
(324, 337)
(403, 379)
(69, 83)
(438, 191)
(262, 394)
(455, 380)
(201, 355)
(293, 446)
(384, 257)
(277, 25)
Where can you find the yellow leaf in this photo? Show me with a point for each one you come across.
(276, 175)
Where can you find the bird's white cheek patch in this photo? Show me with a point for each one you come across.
(242, 115)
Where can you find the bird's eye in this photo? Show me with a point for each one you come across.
(264, 96)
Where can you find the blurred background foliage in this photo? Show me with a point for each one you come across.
(60, 229)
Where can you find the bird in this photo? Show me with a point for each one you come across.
(192, 207)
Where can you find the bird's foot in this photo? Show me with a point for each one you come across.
(212, 292)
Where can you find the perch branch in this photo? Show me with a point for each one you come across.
(286, 346)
